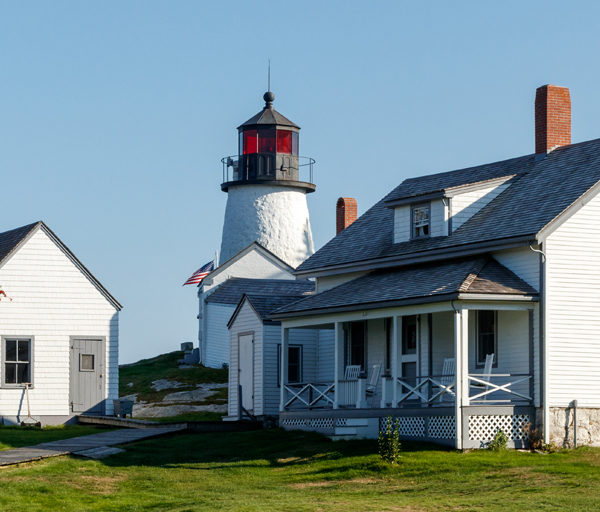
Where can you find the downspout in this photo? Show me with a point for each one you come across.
(543, 345)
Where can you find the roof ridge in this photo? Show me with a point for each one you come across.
(478, 265)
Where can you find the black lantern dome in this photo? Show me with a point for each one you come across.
(268, 152)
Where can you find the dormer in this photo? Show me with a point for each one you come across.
(441, 212)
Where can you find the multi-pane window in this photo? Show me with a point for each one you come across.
(17, 361)
(487, 340)
(420, 221)
(294, 364)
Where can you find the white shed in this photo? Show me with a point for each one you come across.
(255, 355)
(59, 331)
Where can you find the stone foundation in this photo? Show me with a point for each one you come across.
(562, 426)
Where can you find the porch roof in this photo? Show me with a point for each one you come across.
(419, 283)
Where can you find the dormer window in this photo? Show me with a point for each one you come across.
(420, 217)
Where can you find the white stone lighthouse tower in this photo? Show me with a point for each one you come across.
(267, 185)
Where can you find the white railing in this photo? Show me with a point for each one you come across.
(429, 390)
(483, 386)
(347, 392)
(310, 394)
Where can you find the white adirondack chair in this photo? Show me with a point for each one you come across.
(373, 379)
(487, 375)
(352, 372)
(447, 378)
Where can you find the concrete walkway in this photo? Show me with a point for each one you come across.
(93, 445)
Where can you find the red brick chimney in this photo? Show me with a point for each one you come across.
(345, 213)
(552, 118)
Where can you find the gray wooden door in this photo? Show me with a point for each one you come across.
(87, 376)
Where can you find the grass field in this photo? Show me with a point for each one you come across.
(274, 470)
(142, 373)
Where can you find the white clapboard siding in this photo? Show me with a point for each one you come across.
(523, 262)
(439, 218)
(464, 206)
(307, 338)
(217, 335)
(325, 355)
(401, 224)
(328, 282)
(52, 301)
(246, 322)
(573, 308)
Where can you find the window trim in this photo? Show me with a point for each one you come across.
(4, 338)
(301, 361)
(413, 236)
(482, 363)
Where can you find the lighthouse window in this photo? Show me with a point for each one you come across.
(420, 220)
(266, 141)
(294, 143)
(250, 141)
(284, 141)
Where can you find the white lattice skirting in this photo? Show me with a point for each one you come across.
(324, 425)
(484, 428)
(419, 427)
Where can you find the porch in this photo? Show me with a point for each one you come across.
(452, 373)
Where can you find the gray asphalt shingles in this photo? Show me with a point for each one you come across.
(473, 275)
(232, 290)
(545, 188)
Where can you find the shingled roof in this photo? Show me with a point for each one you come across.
(415, 284)
(543, 187)
(264, 305)
(232, 290)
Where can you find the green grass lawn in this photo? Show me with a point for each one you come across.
(15, 437)
(164, 366)
(273, 470)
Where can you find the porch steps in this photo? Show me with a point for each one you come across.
(350, 428)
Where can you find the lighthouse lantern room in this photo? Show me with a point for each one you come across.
(267, 182)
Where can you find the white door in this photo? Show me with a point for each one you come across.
(246, 370)
(409, 351)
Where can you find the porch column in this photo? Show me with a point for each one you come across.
(396, 339)
(285, 341)
(461, 348)
(338, 357)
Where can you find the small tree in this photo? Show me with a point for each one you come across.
(499, 442)
(389, 441)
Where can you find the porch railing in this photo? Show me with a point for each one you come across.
(428, 390)
(501, 386)
(311, 394)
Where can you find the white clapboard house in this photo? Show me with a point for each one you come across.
(252, 262)
(59, 331)
(462, 303)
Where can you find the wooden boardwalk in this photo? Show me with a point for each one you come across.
(83, 445)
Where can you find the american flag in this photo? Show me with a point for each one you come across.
(201, 273)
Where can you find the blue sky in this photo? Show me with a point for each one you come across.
(114, 117)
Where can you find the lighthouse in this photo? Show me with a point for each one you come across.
(266, 185)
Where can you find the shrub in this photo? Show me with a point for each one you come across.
(389, 441)
(499, 442)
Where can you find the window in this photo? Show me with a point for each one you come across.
(487, 339)
(17, 361)
(355, 344)
(266, 141)
(250, 142)
(284, 141)
(86, 362)
(420, 220)
(294, 364)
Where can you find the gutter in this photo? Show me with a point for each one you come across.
(402, 302)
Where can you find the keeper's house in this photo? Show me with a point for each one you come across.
(59, 331)
(468, 300)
